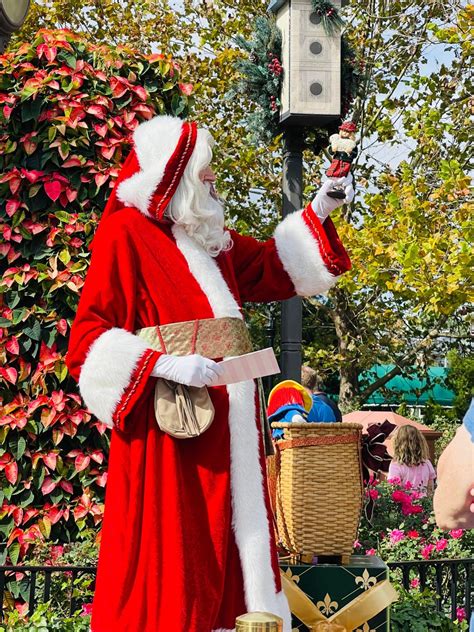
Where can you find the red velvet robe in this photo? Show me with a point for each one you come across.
(187, 543)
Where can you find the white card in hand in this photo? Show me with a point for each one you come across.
(248, 367)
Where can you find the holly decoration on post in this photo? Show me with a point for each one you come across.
(261, 78)
(330, 18)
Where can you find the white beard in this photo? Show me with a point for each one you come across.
(201, 213)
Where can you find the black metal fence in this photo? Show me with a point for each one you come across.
(40, 584)
(452, 580)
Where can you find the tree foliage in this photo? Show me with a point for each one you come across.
(408, 230)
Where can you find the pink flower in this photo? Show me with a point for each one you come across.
(413, 534)
(371, 552)
(374, 494)
(396, 535)
(408, 485)
(441, 544)
(415, 583)
(400, 497)
(357, 544)
(416, 495)
(456, 533)
(426, 551)
(408, 509)
(86, 610)
(460, 614)
(394, 481)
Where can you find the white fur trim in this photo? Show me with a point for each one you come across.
(205, 270)
(250, 520)
(107, 371)
(284, 611)
(342, 144)
(154, 141)
(301, 258)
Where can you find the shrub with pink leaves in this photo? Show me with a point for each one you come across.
(67, 111)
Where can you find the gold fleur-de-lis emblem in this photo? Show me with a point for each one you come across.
(294, 578)
(365, 580)
(366, 628)
(327, 606)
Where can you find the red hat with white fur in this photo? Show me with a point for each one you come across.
(153, 170)
(348, 126)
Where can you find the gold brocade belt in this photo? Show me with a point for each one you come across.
(209, 337)
(212, 338)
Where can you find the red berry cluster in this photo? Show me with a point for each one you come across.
(330, 12)
(274, 66)
(273, 104)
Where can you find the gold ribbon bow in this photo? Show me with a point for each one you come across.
(355, 614)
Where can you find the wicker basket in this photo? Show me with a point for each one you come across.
(318, 488)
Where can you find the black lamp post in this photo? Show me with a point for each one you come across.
(12, 15)
(310, 97)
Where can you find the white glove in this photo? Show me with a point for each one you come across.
(298, 419)
(323, 204)
(192, 370)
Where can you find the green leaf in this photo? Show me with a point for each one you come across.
(14, 552)
(33, 332)
(18, 450)
(68, 58)
(19, 315)
(31, 109)
(63, 216)
(65, 256)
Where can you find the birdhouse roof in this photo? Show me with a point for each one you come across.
(275, 5)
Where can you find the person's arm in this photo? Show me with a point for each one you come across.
(454, 496)
(431, 479)
(111, 364)
(305, 256)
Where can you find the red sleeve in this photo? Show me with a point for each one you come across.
(304, 257)
(111, 364)
(260, 274)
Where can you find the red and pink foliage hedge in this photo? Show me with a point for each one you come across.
(67, 111)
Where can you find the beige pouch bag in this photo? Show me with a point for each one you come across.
(182, 411)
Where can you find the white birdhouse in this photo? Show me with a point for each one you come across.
(311, 60)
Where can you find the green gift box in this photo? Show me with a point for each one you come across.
(331, 587)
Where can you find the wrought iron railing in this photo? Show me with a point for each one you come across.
(452, 580)
(35, 584)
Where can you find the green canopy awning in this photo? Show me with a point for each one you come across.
(413, 389)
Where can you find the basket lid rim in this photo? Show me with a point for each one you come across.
(314, 425)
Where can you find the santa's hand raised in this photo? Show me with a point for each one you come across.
(323, 204)
(192, 370)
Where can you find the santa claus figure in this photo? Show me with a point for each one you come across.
(343, 148)
(187, 540)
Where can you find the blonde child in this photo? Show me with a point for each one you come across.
(410, 461)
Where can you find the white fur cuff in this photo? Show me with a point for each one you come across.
(107, 371)
(300, 256)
